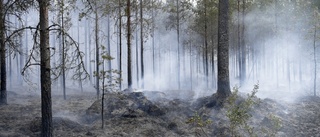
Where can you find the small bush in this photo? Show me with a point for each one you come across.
(199, 123)
(273, 125)
(238, 111)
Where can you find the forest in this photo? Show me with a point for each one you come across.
(159, 68)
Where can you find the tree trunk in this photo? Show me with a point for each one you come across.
(18, 56)
(178, 38)
(87, 49)
(3, 73)
(141, 45)
(191, 68)
(153, 50)
(109, 49)
(80, 80)
(97, 49)
(10, 68)
(206, 45)
(120, 45)
(90, 59)
(46, 106)
(63, 53)
(239, 44)
(223, 50)
(315, 61)
(129, 43)
(213, 68)
(276, 37)
(102, 97)
(243, 47)
(137, 49)
(26, 44)
(21, 62)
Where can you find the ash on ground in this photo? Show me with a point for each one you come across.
(153, 113)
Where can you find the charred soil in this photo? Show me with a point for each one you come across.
(133, 114)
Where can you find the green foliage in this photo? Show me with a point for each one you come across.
(275, 125)
(109, 78)
(199, 123)
(238, 111)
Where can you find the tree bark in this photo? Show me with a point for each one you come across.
(239, 43)
(109, 49)
(153, 49)
(213, 68)
(206, 45)
(102, 97)
(223, 50)
(129, 43)
(120, 45)
(80, 80)
(191, 68)
(137, 48)
(97, 49)
(46, 106)
(3, 73)
(243, 47)
(63, 52)
(315, 60)
(141, 45)
(178, 38)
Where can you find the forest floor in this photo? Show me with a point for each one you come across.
(133, 114)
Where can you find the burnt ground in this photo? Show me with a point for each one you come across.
(133, 114)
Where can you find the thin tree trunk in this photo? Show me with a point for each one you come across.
(9, 63)
(178, 38)
(87, 50)
(159, 59)
(109, 48)
(26, 43)
(46, 105)
(213, 68)
(10, 68)
(63, 53)
(97, 49)
(80, 80)
(198, 68)
(206, 45)
(17, 55)
(21, 62)
(191, 73)
(153, 50)
(141, 45)
(243, 47)
(90, 59)
(315, 61)
(239, 44)
(276, 36)
(129, 44)
(102, 97)
(120, 45)
(137, 50)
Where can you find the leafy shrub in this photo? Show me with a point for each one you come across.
(199, 123)
(273, 125)
(238, 110)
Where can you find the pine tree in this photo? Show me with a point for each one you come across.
(223, 50)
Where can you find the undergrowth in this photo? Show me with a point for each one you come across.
(199, 123)
(238, 111)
